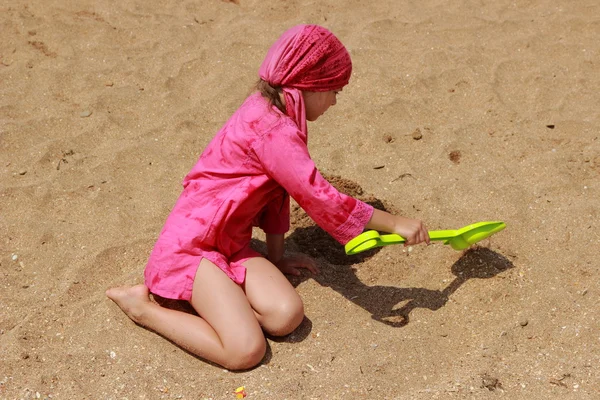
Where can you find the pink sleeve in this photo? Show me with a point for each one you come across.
(285, 157)
(275, 217)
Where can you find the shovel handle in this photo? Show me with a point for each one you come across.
(372, 239)
(392, 238)
(468, 235)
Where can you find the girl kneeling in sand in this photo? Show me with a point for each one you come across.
(243, 179)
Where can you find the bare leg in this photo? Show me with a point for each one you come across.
(277, 305)
(226, 332)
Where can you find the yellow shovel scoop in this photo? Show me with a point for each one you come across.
(459, 239)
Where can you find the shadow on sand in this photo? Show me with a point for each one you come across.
(380, 301)
(475, 263)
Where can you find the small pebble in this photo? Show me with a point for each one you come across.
(523, 322)
(85, 114)
(417, 135)
(15, 257)
(490, 383)
(22, 172)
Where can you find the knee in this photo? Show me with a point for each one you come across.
(285, 317)
(247, 356)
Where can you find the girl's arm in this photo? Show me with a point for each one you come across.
(275, 248)
(412, 230)
(286, 159)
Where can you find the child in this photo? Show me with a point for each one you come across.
(243, 179)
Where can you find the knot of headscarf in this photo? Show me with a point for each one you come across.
(306, 57)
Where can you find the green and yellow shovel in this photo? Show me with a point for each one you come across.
(459, 239)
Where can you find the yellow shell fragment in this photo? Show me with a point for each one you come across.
(240, 392)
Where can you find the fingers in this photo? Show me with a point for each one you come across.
(306, 263)
(419, 236)
(289, 270)
(312, 267)
(290, 265)
(424, 235)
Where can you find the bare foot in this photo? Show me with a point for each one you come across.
(133, 300)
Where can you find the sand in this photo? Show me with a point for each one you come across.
(457, 112)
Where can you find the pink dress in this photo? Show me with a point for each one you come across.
(241, 180)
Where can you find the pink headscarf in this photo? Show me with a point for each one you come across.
(306, 57)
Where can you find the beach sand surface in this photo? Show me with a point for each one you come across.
(457, 112)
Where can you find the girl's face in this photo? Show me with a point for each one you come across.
(316, 103)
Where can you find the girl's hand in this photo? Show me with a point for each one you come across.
(410, 229)
(413, 230)
(290, 265)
